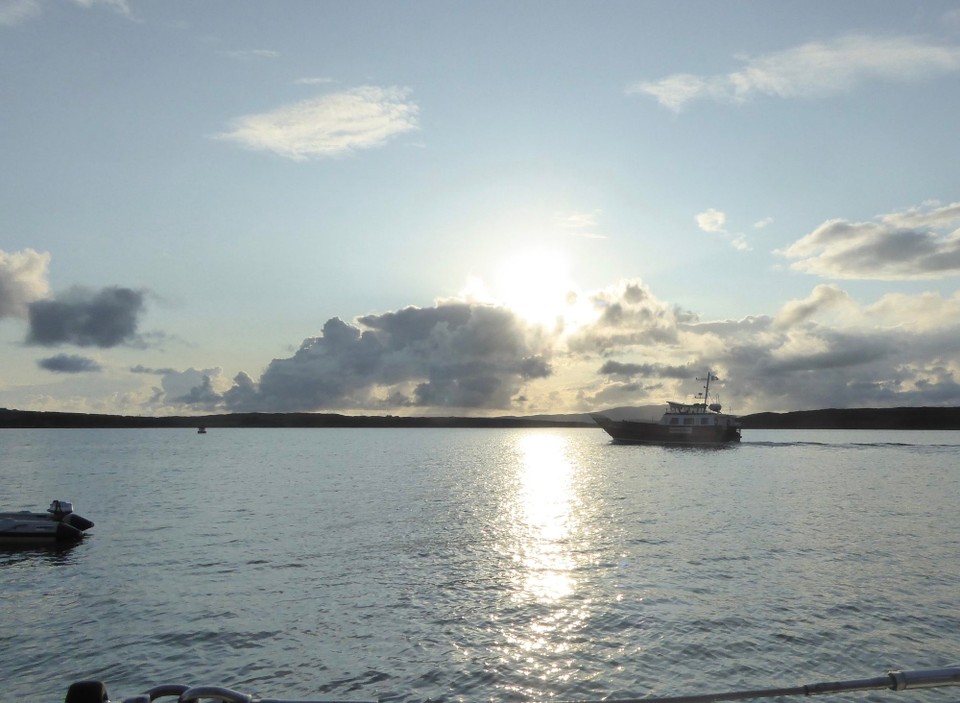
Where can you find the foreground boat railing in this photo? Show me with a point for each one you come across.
(96, 692)
(893, 681)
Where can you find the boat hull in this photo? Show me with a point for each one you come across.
(28, 529)
(58, 525)
(637, 432)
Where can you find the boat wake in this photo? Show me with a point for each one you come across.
(851, 445)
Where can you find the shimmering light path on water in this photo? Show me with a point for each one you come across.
(500, 565)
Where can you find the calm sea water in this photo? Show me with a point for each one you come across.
(495, 565)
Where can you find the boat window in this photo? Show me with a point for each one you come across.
(688, 421)
(674, 421)
(704, 420)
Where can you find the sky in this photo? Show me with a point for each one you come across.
(478, 208)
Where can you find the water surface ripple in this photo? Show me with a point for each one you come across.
(498, 565)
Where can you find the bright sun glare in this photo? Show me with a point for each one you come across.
(537, 286)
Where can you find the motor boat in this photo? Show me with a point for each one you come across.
(58, 524)
(699, 424)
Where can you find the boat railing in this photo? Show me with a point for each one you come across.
(96, 692)
(686, 408)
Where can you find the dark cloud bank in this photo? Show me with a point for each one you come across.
(820, 352)
(69, 363)
(455, 356)
(86, 318)
(476, 357)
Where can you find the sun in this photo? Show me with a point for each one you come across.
(536, 285)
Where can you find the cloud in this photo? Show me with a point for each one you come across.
(87, 318)
(627, 315)
(711, 220)
(581, 224)
(839, 351)
(824, 350)
(251, 54)
(23, 280)
(924, 312)
(926, 215)
(452, 355)
(821, 350)
(714, 221)
(139, 368)
(811, 70)
(915, 244)
(616, 368)
(822, 297)
(15, 11)
(740, 243)
(203, 395)
(877, 355)
(200, 389)
(328, 126)
(119, 6)
(69, 363)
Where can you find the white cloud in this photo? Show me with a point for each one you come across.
(924, 312)
(330, 125)
(317, 80)
(811, 70)
(715, 221)
(761, 224)
(581, 224)
(119, 6)
(740, 243)
(15, 11)
(919, 217)
(251, 54)
(23, 280)
(823, 297)
(625, 315)
(711, 220)
(914, 244)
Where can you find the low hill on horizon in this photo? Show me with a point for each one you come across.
(904, 418)
(43, 419)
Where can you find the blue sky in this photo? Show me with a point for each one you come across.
(477, 208)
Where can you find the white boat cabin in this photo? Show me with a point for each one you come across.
(693, 414)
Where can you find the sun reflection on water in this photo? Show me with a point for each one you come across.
(545, 498)
(544, 533)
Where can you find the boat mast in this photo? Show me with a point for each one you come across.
(706, 388)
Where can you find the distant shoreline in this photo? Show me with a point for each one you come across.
(920, 418)
(28, 419)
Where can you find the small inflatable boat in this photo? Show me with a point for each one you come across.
(58, 524)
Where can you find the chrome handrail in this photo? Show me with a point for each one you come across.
(96, 692)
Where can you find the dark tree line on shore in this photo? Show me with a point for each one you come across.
(925, 418)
